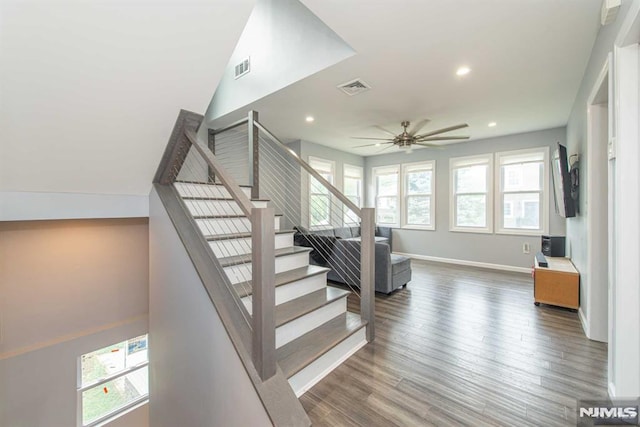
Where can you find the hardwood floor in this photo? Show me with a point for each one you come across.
(464, 346)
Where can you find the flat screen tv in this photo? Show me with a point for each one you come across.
(565, 205)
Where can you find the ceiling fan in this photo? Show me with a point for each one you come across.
(408, 138)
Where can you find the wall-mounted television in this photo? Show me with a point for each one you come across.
(565, 205)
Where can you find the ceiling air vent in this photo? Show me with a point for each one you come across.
(242, 68)
(354, 87)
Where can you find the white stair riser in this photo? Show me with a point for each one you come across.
(205, 190)
(303, 324)
(242, 272)
(230, 247)
(214, 226)
(218, 207)
(295, 289)
(321, 367)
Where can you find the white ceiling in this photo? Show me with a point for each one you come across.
(527, 59)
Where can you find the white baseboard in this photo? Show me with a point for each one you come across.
(526, 270)
(612, 391)
(32, 206)
(584, 321)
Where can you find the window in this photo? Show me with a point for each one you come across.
(113, 380)
(352, 188)
(386, 183)
(319, 196)
(418, 195)
(471, 196)
(522, 194)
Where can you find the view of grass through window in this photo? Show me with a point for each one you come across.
(113, 378)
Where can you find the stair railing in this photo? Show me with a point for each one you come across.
(276, 172)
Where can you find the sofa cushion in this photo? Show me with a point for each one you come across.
(343, 233)
(355, 231)
(399, 264)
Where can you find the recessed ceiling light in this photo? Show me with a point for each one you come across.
(463, 71)
(378, 144)
(492, 124)
(309, 119)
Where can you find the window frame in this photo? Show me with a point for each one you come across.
(332, 169)
(360, 177)
(380, 170)
(456, 163)
(429, 165)
(110, 416)
(544, 193)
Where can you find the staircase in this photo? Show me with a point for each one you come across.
(289, 328)
(314, 330)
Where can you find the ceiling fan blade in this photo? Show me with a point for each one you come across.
(441, 138)
(365, 137)
(443, 130)
(388, 146)
(385, 131)
(416, 128)
(371, 145)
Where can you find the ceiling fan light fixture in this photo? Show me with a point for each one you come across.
(463, 71)
(492, 124)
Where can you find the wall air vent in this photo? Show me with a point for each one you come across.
(354, 87)
(242, 68)
(609, 11)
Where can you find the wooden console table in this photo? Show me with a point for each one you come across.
(558, 284)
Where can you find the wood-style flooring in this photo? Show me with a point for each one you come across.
(463, 346)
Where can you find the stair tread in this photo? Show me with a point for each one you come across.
(221, 199)
(246, 258)
(224, 216)
(214, 184)
(231, 236)
(243, 289)
(305, 304)
(301, 352)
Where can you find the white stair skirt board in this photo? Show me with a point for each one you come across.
(294, 289)
(303, 324)
(321, 367)
(218, 207)
(206, 190)
(212, 226)
(229, 247)
(242, 272)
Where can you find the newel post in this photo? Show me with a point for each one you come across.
(254, 155)
(264, 291)
(367, 270)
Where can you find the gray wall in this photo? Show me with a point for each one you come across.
(577, 228)
(196, 377)
(483, 248)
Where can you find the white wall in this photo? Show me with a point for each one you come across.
(196, 377)
(89, 91)
(286, 43)
(499, 250)
(66, 288)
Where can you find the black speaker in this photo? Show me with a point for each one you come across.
(553, 245)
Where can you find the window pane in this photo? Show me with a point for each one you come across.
(113, 359)
(108, 397)
(386, 208)
(419, 182)
(522, 177)
(351, 187)
(471, 179)
(318, 188)
(419, 210)
(524, 211)
(319, 207)
(471, 210)
(387, 185)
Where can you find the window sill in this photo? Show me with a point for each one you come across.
(418, 227)
(529, 233)
(471, 230)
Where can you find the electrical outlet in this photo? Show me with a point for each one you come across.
(526, 248)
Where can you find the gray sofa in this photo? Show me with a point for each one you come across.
(339, 250)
